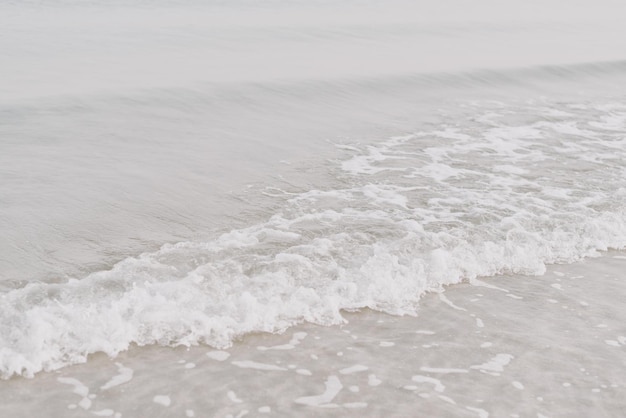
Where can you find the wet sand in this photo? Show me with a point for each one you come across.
(509, 346)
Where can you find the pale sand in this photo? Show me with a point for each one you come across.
(551, 346)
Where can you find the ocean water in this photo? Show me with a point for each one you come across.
(181, 174)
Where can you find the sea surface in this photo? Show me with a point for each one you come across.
(189, 173)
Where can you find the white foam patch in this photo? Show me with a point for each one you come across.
(447, 301)
(79, 389)
(103, 413)
(476, 282)
(247, 364)
(517, 385)
(232, 396)
(264, 410)
(479, 411)
(124, 375)
(386, 344)
(611, 122)
(295, 340)
(438, 386)
(333, 387)
(509, 169)
(163, 400)
(218, 355)
(495, 366)
(372, 380)
(354, 405)
(304, 372)
(389, 195)
(354, 369)
(443, 370)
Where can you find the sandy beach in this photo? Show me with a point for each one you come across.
(508, 346)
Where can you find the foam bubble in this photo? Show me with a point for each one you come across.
(232, 396)
(494, 366)
(444, 370)
(333, 387)
(247, 364)
(517, 385)
(354, 369)
(163, 400)
(372, 380)
(438, 386)
(103, 413)
(125, 375)
(218, 355)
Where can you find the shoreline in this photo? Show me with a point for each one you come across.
(505, 346)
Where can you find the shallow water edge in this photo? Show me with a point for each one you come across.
(548, 346)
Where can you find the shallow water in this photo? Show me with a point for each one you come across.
(178, 173)
(507, 346)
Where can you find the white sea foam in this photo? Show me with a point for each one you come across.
(79, 389)
(163, 400)
(354, 369)
(233, 397)
(218, 355)
(496, 365)
(494, 194)
(479, 411)
(333, 387)
(372, 380)
(247, 364)
(438, 386)
(297, 338)
(442, 370)
(125, 375)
